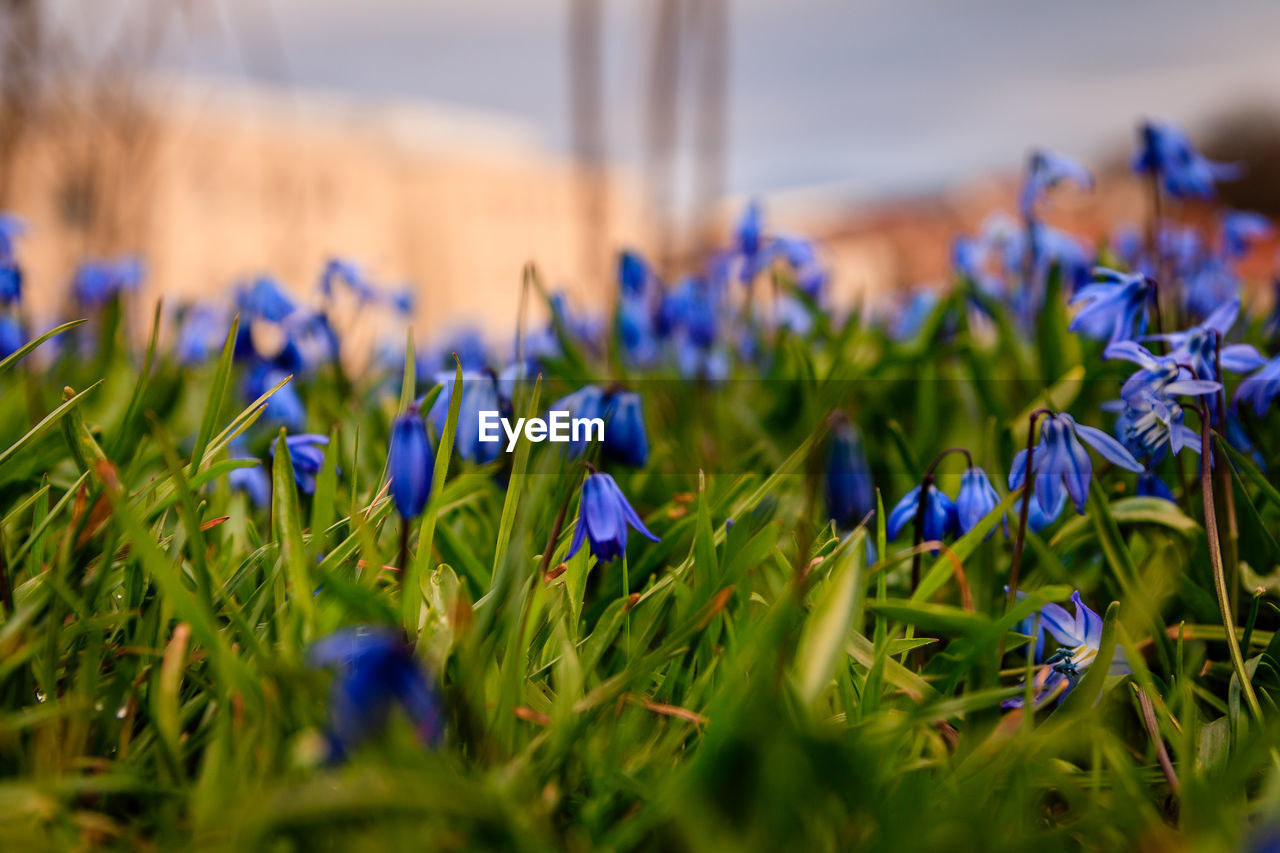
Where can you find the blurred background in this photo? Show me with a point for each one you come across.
(444, 144)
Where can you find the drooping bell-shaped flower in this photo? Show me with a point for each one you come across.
(1046, 170)
(1151, 486)
(1114, 307)
(411, 464)
(284, 407)
(306, 452)
(940, 518)
(625, 439)
(12, 337)
(1166, 152)
(1260, 388)
(253, 480)
(264, 299)
(587, 402)
(1060, 460)
(976, 498)
(376, 672)
(479, 394)
(95, 282)
(604, 514)
(849, 489)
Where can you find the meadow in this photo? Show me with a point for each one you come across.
(995, 570)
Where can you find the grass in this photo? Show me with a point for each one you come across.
(771, 683)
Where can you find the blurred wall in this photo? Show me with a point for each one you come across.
(217, 185)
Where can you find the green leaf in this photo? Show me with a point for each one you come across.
(217, 393)
(288, 529)
(22, 351)
(46, 422)
(411, 584)
(1135, 510)
(826, 631)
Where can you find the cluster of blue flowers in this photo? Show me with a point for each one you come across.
(709, 324)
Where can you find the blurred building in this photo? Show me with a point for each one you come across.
(211, 185)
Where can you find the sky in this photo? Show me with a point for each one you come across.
(871, 97)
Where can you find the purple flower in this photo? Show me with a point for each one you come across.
(376, 671)
(850, 491)
(1046, 170)
(285, 406)
(626, 440)
(603, 517)
(1260, 388)
(479, 394)
(977, 498)
(96, 282)
(1060, 460)
(306, 452)
(254, 481)
(1114, 307)
(940, 517)
(1167, 153)
(1196, 347)
(12, 337)
(1151, 486)
(411, 464)
(1079, 638)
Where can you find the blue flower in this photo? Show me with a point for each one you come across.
(306, 452)
(285, 406)
(1046, 170)
(1061, 460)
(11, 228)
(1260, 388)
(850, 491)
(376, 671)
(1079, 638)
(264, 299)
(1167, 153)
(10, 283)
(976, 498)
(1196, 347)
(587, 402)
(802, 256)
(479, 394)
(254, 481)
(1151, 486)
(1150, 415)
(911, 318)
(636, 330)
(12, 337)
(1115, 306)
(1239, 439)
(201, 334)
(940, 518)
(411, 463)
(1240, 230)
(603, 517)
(633, 273)
(95, 282)
(751, 244)
(625, 439)
(348, 273)
(310, 342)
(1038, 518)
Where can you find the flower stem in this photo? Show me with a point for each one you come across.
(922, 507)
(1215, 558)
(1027, 488)
(1232, 558)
